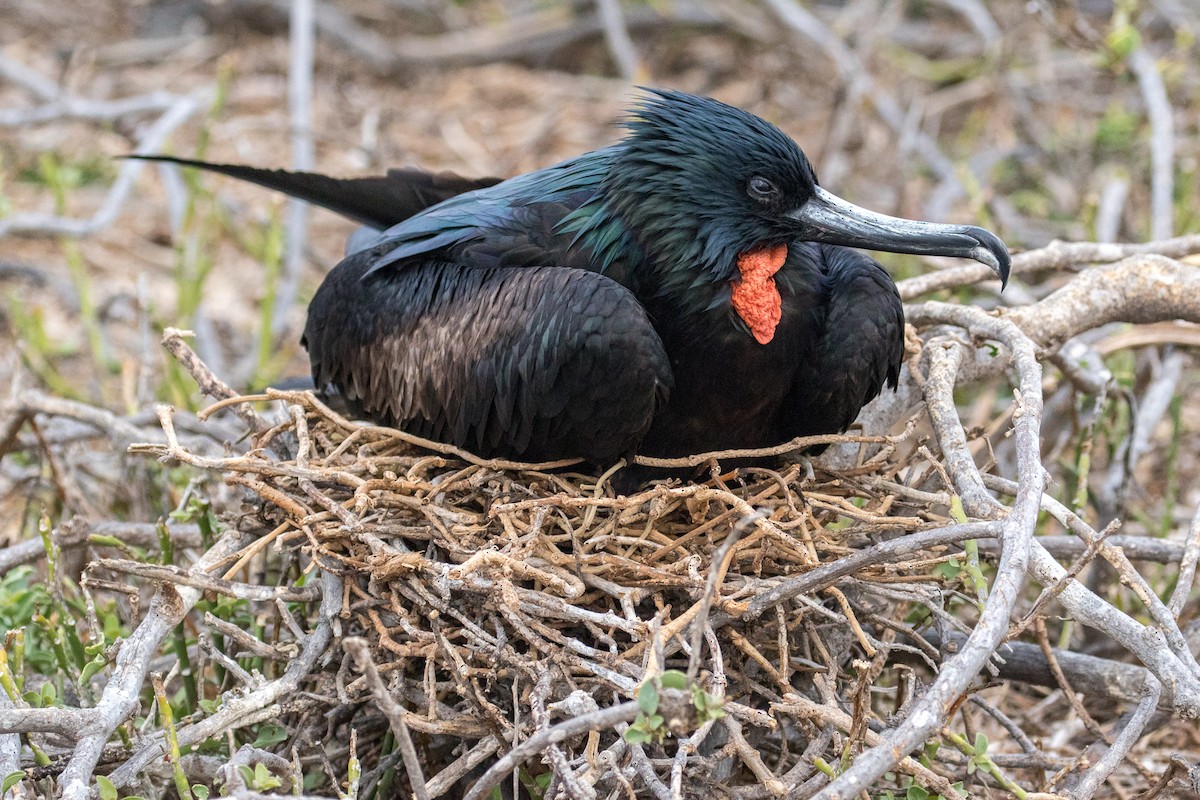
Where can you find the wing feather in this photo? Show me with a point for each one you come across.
(860, 349)
(532, 363)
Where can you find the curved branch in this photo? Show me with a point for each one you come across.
(1096, 774)
(945, 358)
(123, 693)
(1163, 650)
(1054, 256)
(254, 706)
(1139, 289)
(594, 721)
(929, 713)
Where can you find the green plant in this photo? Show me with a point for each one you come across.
(259, 778)
(650, 725)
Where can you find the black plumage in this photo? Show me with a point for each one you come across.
(492, 358)
(689, 288)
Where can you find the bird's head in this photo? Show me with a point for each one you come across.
(714, 194)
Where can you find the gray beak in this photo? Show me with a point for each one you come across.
(828, 218)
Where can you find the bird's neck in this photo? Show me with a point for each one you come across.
(659, 262)
(667, 260)
(671, 253)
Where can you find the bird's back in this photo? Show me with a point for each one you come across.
(547, 218)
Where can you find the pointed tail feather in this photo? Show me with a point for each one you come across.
(376, 201)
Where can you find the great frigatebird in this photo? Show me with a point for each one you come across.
(689, 288)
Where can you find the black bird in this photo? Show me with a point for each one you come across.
(690, 288)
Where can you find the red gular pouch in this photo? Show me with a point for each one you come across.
(755, 296)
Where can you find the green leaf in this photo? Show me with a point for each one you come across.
(264, 779)
(1122, 40)
(916, 793)
(647, 698)
(981, 744)
(708, 706)
(673, 679)
(269, 735)
(535, 785)
(636, 736)
(13, 778)
(200, 791)
(90, 669)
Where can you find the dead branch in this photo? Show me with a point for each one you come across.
(1097, 772)
(1162, 143)
(122, 693)
(395, 714)
(199, 580)
(78, 533)
(555, 734)
(931, 711)
(1025, 663)
(253, 706)
(1139, 289)
(1055, 256)
(180, 109)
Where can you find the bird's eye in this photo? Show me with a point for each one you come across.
(761, 189)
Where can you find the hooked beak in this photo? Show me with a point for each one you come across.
(828, 218)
